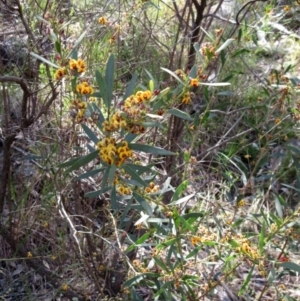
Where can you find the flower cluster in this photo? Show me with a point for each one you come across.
(186, 99)
(77, 65)
(60, 73)
(152, 188)
(136, 106)
(134, 103)
(208, 51)
(80, 106)
(123, 190)
(203, 235)
(194, 82)
(115, 123)
(103, 21)
(111, 153)
(84, 88)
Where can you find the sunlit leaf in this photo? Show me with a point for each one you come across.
(224, 45)
(149, 149)
(180, 114)
(76, 44)
(90, 133)
(90, 173)
(291, 266)
(134, 176)
(143, 203)
(102, 87)
(130, 87)
(109, 79)
(83, 161)
(172, 74)
(44, 60)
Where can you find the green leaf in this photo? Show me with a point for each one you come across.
(134, 175)
(215, 84)
(113, 198)
(109, 79)
(193, 72)
(95, 194)
(179, 190)
(139, 278)
(43, 60)
(139, 241)
(83, 161)
(246, 282)
(143, 203)
(149, 149)
(181, 200)
(239, 52)
(90, 173)
(172, 74)
(166, 243)
(151, 85)
(261, 242)
(180, 114)
(69, 162)
(186, 225)
(139, 169)
(291, 266)
(76, 44)
(57, 46)
(161, 264)
(102, 87)
(205, 117)
(97, 110)
(130, 87)
(224, 45)
(194, 252)
(294, 149)
(111, 175)
(278, 206)
(90, 133)
(223, 57)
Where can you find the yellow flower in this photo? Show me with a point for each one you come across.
(194, 82)
(103, 21)
(277, 120)
(29, 254)
(64, 287)
(186, 98)
(84, 88)
(60, 73)
(286, 8)
(73, 64)
(80, 66)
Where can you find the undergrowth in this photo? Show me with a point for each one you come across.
(147, 178)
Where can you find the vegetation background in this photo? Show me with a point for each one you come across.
(149, 150)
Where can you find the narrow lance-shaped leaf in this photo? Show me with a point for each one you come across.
(134, 175)
(76, 44)
(43, 60)
(173, 74)
(102, 87)
(180, 114)
(225, 45)
(83, 161)
(90, 133)
(149, 149)
(139, 241)
(130, 86)
(143, 203)
(109, 79)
